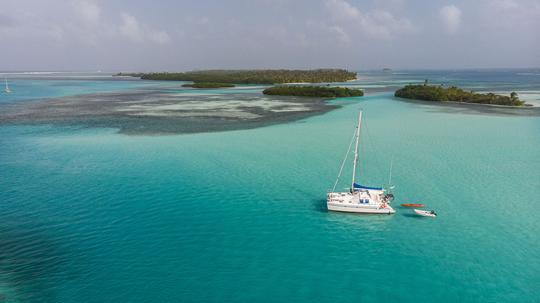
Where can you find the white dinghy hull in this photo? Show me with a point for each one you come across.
(425, 213)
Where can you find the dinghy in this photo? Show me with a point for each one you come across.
(412, 205)
(425, 213)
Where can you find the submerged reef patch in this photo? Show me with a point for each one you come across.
(151, 112)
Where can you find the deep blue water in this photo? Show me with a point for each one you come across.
(89, 215)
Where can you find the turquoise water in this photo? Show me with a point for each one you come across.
(32, 89)
(94, 216)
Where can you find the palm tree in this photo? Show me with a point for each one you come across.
(514, 96)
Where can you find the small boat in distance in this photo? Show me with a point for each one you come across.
(412, 205)
(426, 213)
(359, 198)
(6, 90)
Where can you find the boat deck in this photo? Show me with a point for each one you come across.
(360, 202)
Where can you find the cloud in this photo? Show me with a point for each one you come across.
(343, 37)
(451, 18)
(88, 11)
(266, 33)
(130, 28)
(505, 4)
(343, 9)
(160, 37)
(377, 23)
(385, 25)
(133, 30)
(80, 22)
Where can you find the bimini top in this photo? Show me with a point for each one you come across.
(356, 185)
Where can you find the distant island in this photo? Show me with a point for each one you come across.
(438, 93)
(313, 91)
(263, 76)
(208, 85)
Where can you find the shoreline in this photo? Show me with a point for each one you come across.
(524, 106)
(474, 108)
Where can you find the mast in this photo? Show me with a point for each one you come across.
(344, 160)
(356, 149)
(390, 174)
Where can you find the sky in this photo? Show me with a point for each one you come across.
(167, 35)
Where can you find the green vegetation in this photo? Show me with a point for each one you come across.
(208, 85)
(313, 91)
(269, 76)
(129, 75)
(439, 93)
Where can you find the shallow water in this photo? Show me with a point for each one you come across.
(150, 108)
(91, 215)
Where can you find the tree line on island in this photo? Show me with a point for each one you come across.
(439, 93)
(227, 78)
(208, 85)
(313, 91)
(263, 76)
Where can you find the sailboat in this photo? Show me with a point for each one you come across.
(359, 198)
(7, 90)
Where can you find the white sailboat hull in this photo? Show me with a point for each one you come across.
(360, 202)
(360, 209)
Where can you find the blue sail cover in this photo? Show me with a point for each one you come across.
(356, 185)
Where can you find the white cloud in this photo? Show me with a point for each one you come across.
(160, 37)
(343, 9)
(378, 24)
(505, 4)
(86, 25)
(451, 18)
(80, 22)
(130, 28)
(343, 37)
(88, 11)
(384, 24)
(133, 30)
(265, 33)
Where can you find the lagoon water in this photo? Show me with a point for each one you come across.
(91, 215)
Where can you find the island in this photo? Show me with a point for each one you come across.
(263, 76)
(313, 91)
(439, 93)
(208, 85)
